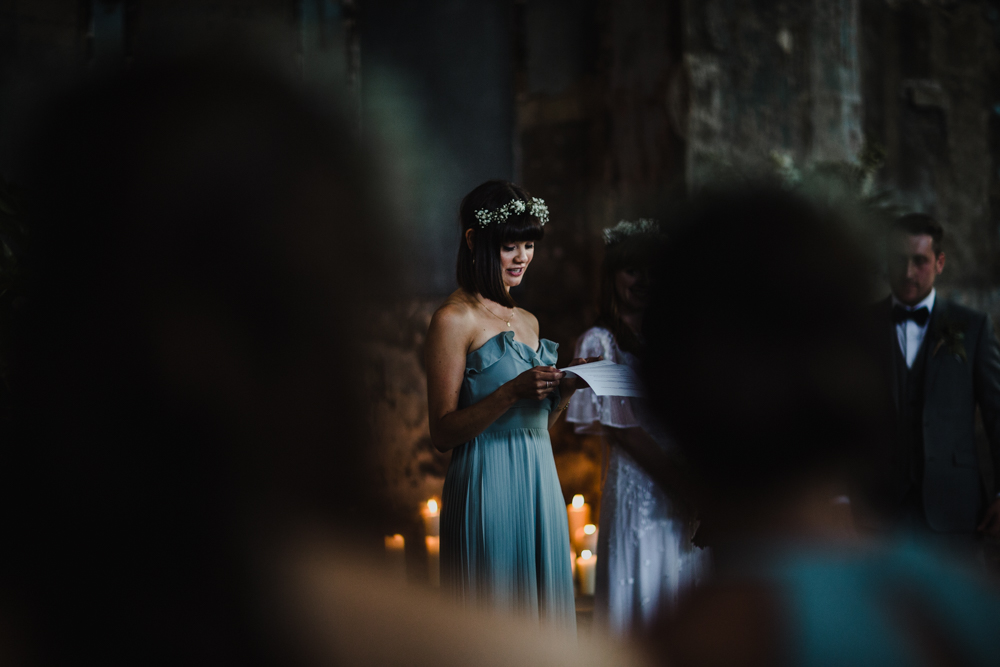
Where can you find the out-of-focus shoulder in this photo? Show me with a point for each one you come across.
(597, 333)
(595, 336)
(957, 311)
(595, 341)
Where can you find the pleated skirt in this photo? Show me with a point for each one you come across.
(504, 532)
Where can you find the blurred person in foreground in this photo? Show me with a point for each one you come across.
(190, 481)
(766, 370)
(645, 555)
(944, 362)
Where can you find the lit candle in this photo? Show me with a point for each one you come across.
(586, 567)
(395, 555)
(579, 516)
(432, 518)
(434, 560)
(586, 537)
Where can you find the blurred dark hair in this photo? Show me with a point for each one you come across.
(915, 224)
(635, 251)
(184, 370)
(479, 269)
(761, 359)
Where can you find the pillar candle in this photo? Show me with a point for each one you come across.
(572, 562)
(586, 567)
(395, 555)
(586, 538)
(432, 518)
(579, 516)
(434, 560)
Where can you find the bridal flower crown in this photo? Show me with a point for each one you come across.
(535, 206)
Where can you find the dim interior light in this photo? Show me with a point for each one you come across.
(578, 501)
(590, 529)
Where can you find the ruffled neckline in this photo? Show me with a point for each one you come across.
(497, 347)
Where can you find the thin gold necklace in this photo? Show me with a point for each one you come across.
(494, 314)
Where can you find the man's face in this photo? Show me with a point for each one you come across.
(913, 266)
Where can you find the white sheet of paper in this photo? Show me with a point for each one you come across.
(607, 378)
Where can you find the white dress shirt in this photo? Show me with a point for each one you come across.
(909, 333)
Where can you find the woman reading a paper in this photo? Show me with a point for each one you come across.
(644, 552)
(493, 392)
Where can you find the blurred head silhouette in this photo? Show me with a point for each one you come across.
(202, 240)
(761, 359)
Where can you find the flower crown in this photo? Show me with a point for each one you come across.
(626, 228)
(535, 206)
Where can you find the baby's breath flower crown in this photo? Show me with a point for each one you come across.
(627, 228)
(535, 206)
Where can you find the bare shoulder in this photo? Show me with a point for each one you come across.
(529, 318)
(597, 335)
(455, 316)
(596, 341)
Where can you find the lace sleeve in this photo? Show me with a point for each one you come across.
(587, 411)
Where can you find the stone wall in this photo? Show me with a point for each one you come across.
(771, 77)
(931, 80)
(396, 386)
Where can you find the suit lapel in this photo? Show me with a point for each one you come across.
(935, 356)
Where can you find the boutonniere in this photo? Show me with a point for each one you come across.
(952, 336)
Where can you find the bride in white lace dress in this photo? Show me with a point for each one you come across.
(644, 553)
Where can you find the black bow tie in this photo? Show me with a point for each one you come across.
(920, 315)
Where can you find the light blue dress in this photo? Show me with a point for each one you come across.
(504, 532)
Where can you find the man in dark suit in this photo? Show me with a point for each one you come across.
(945, 361)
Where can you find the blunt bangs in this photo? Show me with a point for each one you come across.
(523, 228)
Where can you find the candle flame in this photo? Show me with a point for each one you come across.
(590, 529)
(432, 506)
(585, 554)
(578, 501)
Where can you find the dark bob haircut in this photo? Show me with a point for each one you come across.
(634, 251)
(478, 269)
(916, 224)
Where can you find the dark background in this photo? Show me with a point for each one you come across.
(606, 109)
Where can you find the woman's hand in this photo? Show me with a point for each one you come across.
(535, 383)
(571, 383)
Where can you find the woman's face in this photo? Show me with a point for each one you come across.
(514, 260)
(631, 288)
